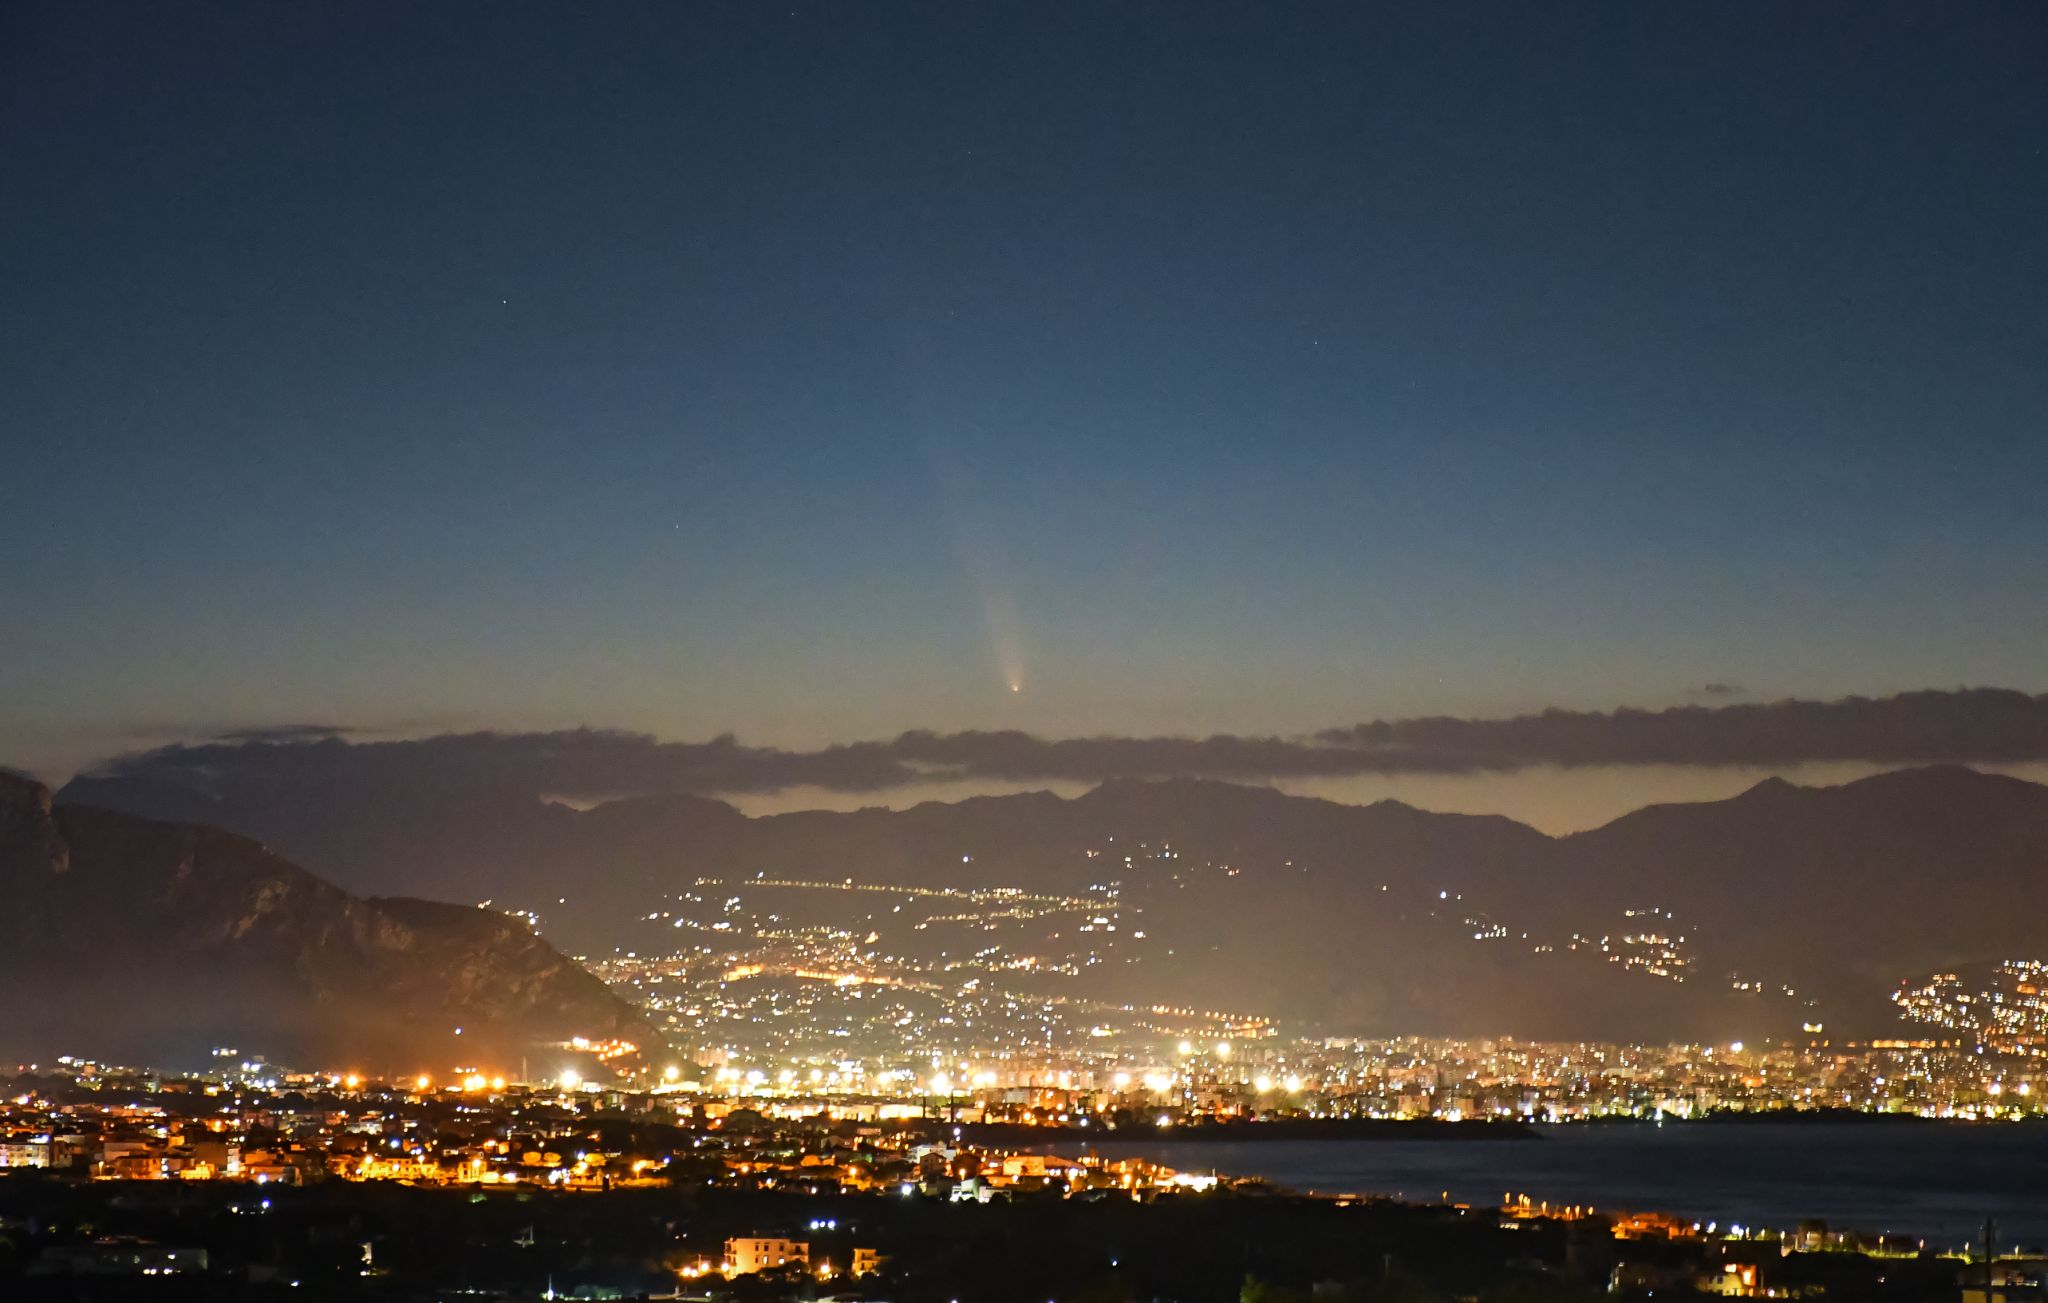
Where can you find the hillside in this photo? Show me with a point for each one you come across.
(141, 941)
(1752, 916)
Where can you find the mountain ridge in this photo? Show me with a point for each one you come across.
(1786, 905)
(137, 939)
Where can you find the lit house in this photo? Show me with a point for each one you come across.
(743, 1257)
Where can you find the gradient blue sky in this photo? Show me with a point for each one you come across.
(796, 369)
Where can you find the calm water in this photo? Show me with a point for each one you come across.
(1937, 1180)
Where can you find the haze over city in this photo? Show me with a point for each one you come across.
(1000, 651)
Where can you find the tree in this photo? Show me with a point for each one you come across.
(1262, 1291)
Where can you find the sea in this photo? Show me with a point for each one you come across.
(1935, 1181)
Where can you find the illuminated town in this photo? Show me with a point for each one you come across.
(2004, 1014)
(809, 1184)
(818, 1018)
(1031, 652)
(825, 1068)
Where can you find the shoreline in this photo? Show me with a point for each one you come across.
(1016, 1134)
(1428, 1130)
(1734, 1198)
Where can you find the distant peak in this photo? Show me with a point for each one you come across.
(1945, 778)
(1394, 805)
(1180, 787)
(1936, 780)
(1769, 787)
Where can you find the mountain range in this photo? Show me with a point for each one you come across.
(1783, 909)
(140, 941)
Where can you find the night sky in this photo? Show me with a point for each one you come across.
(818, 372)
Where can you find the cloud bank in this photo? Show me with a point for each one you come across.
(1977, 724)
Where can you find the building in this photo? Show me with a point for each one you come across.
(744, 1257)
(24, 1154)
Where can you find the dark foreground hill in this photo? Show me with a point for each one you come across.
(1754, 916)
(140, 941)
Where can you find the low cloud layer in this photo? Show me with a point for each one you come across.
(1983, 724)
(284, 733)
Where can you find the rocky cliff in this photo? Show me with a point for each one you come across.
(138, 940)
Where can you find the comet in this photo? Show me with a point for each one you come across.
(1001, 624)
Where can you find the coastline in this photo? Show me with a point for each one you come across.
(1014, 1135)
(1930, 1182)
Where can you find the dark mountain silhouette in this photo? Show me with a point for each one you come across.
(142, 941)
(1747, 917)
(1842, 889)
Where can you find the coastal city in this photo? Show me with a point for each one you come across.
(811, 1018)
(790, 1190)
(1046, 652)
(809, 1089)
(820, 1098)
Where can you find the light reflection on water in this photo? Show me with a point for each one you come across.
(1937, 1181)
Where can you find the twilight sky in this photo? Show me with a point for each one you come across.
(818, 372)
